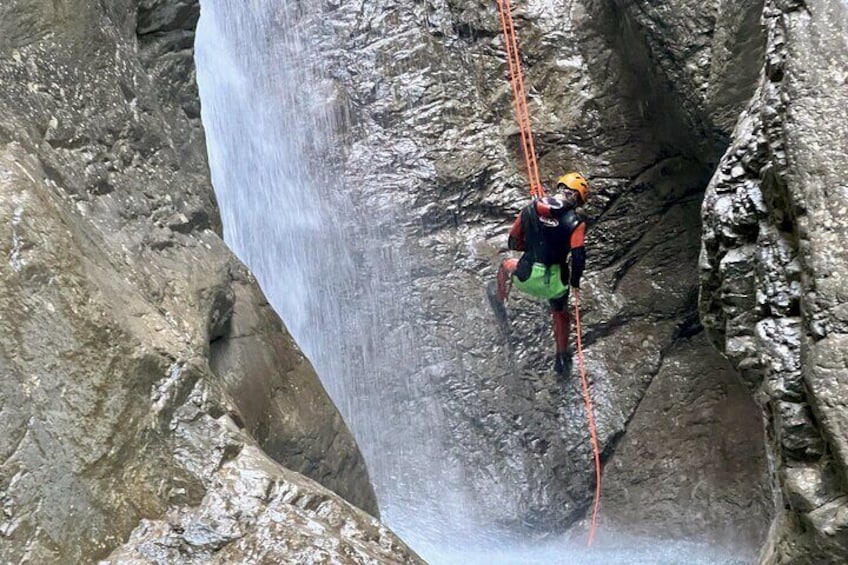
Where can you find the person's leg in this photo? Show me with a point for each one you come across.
(505, 272)
(562, 333)
(561, 321)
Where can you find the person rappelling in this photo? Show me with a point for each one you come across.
(547, 231)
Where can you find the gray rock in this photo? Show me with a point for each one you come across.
(710, 53)
(429, 137)
(125, 319)
(135, 343)
(255, 511)
(670, 472)
(794, 338)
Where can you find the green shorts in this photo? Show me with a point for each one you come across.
(543, 282)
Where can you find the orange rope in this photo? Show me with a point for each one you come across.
(590, 412)
(528, 147)
(522, 115)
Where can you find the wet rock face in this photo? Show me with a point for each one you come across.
(430, 138)
(127, 326)
(282, 518)
(773, 270)
(711, 53)
(670, 466)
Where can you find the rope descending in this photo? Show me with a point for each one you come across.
(522, 115)
(516, 78)
(590, 413)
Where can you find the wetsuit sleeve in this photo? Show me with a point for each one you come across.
(578, 254)
(516, 234)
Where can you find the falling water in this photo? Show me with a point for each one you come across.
(274, 125)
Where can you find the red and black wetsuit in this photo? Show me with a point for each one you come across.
(549, 241)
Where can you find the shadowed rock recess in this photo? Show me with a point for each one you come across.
(142, 369)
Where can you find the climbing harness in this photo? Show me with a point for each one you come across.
(537, 191)
(590, 411)
(522, 115)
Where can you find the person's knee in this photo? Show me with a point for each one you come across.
(509, 265)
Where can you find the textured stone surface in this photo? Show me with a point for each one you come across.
(430, 137)
(773, 268)
(672, 473)
(128, 330)
(710, 52)
(255, 511)
(120, 307)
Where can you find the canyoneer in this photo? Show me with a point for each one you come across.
(547, 231)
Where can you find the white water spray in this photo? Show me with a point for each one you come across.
(273, 127)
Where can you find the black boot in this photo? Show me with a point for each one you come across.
(563, 363)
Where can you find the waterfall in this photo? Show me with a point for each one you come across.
(275, 128)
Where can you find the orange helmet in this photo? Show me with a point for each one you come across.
(575, 181)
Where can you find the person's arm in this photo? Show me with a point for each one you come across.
(578, 254)
(516, 234)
